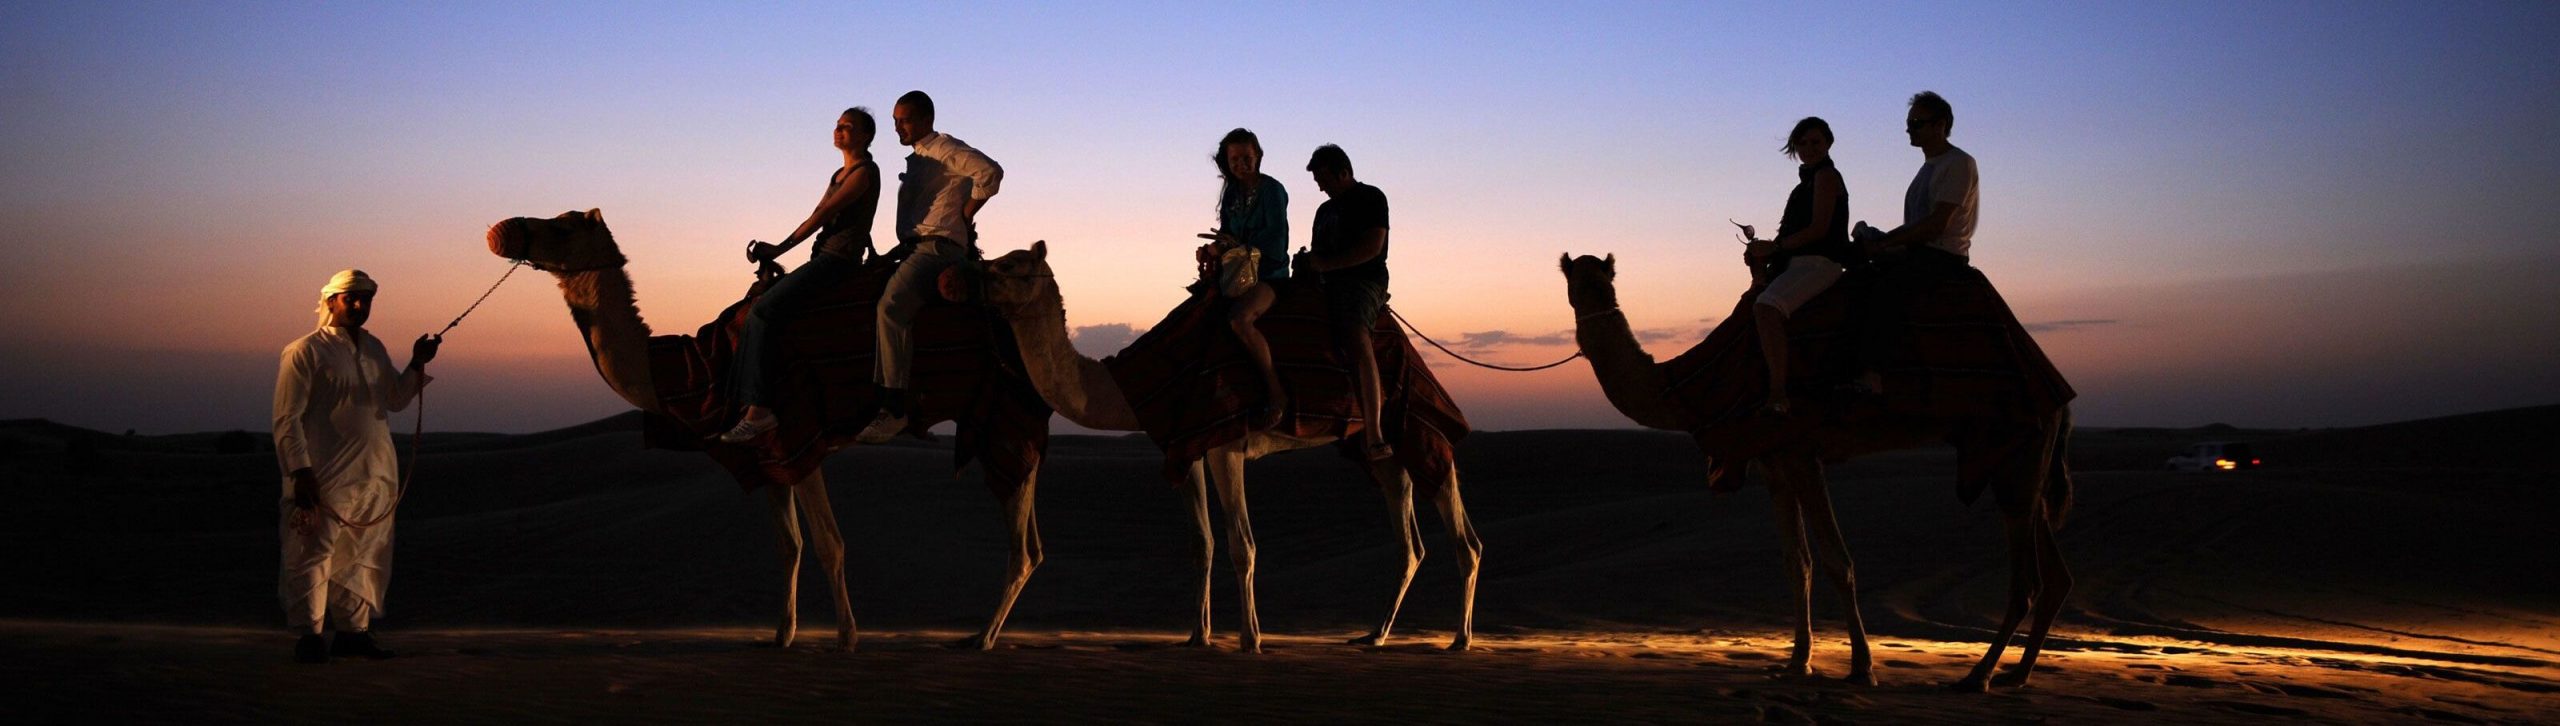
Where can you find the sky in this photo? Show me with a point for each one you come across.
(2264, 214)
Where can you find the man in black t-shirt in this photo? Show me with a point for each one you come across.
(1350, 252)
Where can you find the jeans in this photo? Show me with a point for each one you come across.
(908, 291)
(759, 364)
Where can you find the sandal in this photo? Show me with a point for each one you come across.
(1273, 412)
(1380, 451)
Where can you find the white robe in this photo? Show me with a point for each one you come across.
(335, 391)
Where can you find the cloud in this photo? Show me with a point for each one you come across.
(2058, 326)
(1493, 339)
(1658, 335)
(1097, 341)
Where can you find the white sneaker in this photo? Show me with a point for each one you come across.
(883, 427)
(748, 429)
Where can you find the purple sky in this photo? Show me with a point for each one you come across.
(2267, 214)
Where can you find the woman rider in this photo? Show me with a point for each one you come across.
(1811, 252)
(1253, 213)
(842, 225)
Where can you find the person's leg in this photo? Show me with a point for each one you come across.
(908, 290)
(759, 365)
(353, 617)
(1355, 308)
(1772, 325)
(303, 579)
(1880, 319)
(1804, 278)
(1242, 313)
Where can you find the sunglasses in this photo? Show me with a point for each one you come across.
(1915, 124)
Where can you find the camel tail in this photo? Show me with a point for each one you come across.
(2057, 481)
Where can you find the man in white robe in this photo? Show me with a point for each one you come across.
(335, 391)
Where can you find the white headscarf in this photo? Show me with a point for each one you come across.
(347, 280)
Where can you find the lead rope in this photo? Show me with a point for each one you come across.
(417, 433)
(1417, 332)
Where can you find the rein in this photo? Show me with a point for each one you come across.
(1417, 332)
(417, 434)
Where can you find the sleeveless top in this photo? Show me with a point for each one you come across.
(848, 234)
(1835, 240)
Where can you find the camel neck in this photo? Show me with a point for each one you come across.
(602, 304)
(1628, 375)
(1079, 388)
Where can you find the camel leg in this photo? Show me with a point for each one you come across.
(786, 525)
(1391, 479)
(1831, 556)
(2051, 572)
(1022, 521)
(2056, 578)
(2022, 583)
(1453, 512)
(1786, 503)
(812, 493)
(1226, 470)
(1198, 493)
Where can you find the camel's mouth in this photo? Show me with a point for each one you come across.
(506, 238)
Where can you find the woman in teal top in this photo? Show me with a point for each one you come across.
(1253, 212)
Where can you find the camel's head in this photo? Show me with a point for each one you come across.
(571, 242)
(1590, 283)
(1020, 281)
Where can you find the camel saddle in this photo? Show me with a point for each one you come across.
(967, 370)
(1194, 387)
(1961, 355)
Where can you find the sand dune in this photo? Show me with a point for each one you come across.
(2388, 572)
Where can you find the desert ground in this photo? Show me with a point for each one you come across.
(2399, 573)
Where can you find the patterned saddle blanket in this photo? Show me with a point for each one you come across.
(1194, 387)
(967, 370)
(1962, 355)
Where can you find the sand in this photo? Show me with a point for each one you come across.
(2368, 574)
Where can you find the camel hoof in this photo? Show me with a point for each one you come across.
(1372, 639)
(2010, 679)
(1860, 678)
(1795, 669)
(1461, 644)
(1198, 640)
(1249, 645)
(1970, 684)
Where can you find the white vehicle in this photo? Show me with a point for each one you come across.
(2215, 456)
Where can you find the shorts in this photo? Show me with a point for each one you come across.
(1806, 277)
(1354, 303)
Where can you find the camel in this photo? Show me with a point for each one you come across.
(1025, 293)
(579, 250)
(2027, 476)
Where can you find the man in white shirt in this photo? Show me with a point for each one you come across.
(335, 391)
(1945, 197)
(1936, 236)
(939, 196)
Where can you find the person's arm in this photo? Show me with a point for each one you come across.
(1364, 247)
(402, 389)
(985, 176)
(862, 180)
(293, 445)
(1928, 228)
(1273, 234)
(1947, 191)
(1370, 218)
